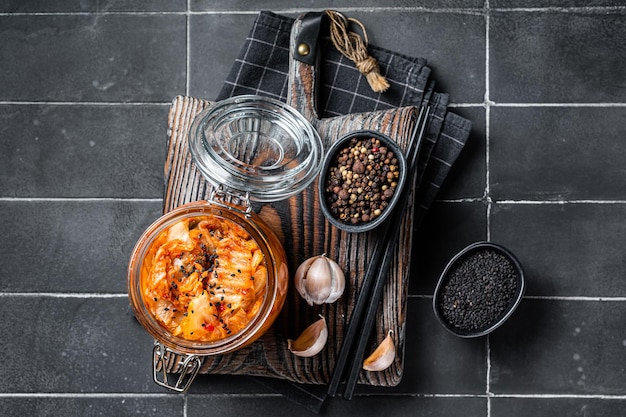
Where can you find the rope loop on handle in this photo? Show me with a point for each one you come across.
(354, 47)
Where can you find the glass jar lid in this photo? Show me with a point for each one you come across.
(257, 145)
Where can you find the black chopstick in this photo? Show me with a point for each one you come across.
(391, 238)
(355, 319)
(370, 316)
(373, 283)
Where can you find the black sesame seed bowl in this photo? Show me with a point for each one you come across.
(361, 180)
(479, 290)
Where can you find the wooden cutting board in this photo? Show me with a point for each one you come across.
(305, 232)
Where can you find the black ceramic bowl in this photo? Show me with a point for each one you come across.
(478, 290)
(330, 161)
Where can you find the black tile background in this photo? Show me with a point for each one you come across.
(84, 94)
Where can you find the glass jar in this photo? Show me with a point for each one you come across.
(248, 148)
(256, 145)
(274, 259)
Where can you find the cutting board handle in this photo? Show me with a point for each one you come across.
(303, 61)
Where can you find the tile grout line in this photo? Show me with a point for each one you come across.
(127, 394)
(65, 294)
(82, 199)
(572, 104)
(487, 105)
(84, 103)
(527, 202)
(453, 10)
(487, 178)
(547, 202)
(602, 299)
(188, 46)
(616, 397)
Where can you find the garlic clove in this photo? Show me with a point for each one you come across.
(311, 341)
(383, 355)
(338, 283)
(320, 280)
(314, 280)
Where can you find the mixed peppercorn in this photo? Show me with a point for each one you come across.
(361, 180)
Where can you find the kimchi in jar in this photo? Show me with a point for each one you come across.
(207, 278)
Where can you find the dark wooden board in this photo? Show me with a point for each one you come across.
(300, 224)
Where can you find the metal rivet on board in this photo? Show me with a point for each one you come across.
(304, 49)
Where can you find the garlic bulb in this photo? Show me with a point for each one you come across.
(311, 341)
(320, 280)
(383, 355)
